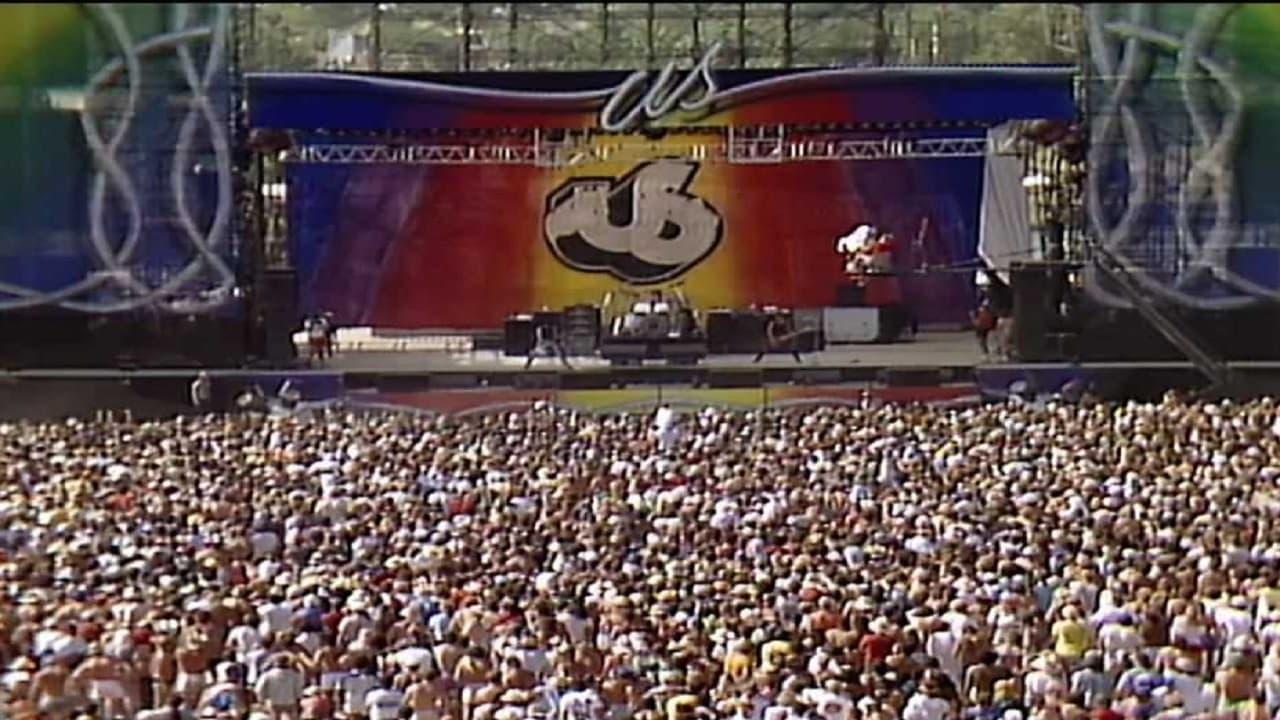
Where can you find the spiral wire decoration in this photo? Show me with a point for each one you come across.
(114, 256)
(1124, 53)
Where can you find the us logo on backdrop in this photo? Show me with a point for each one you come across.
(644, 227)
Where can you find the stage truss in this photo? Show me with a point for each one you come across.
(735, 146)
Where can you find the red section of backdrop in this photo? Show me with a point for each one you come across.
(784, 225)
(465, 257)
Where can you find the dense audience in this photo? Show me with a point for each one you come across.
(1004, 562)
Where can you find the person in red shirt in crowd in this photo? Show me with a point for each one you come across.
(876, 646)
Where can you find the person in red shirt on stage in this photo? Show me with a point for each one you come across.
(881, 254)
(882, 288)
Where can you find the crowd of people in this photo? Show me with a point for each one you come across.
(1004, 562)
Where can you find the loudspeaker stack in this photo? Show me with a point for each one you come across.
(279, 316)
(1031, 285)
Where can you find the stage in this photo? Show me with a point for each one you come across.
(956, 351)
(937, 367)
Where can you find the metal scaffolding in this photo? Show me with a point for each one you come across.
(434, 37)
(417, 154)
(722, 145)
(790, 147)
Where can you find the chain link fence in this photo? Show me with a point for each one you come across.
(447, 37)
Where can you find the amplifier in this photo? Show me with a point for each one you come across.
(278, 306)
(809, 319)
(550, 319)
(517, 336)
(850, 294)
(735, 332)
(1033, 311)
(720, 331)
(581, 330)
(851, 325)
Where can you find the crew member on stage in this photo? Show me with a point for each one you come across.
(202, 392)
(251, 399)
(984, 321)
(880, 254)
(547, 344)
(289, 396)
(880, 283)
(780, 335)
(330, 334)
(317, 337)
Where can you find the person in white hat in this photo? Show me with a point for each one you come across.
(280, 688)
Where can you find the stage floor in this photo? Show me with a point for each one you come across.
(928, 350)
(937, 366)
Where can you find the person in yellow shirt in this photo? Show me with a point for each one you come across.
(739, 664)
(682, 707)
(1071, 636)
(775, 655)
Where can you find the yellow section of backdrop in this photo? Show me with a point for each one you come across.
(710, 283)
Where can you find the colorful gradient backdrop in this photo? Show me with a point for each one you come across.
(462, 246)
(49, 54)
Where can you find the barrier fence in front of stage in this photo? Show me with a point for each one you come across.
(157, 394)
(642, 399)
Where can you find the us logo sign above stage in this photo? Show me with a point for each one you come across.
(642, 228)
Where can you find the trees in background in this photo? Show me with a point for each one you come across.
(577, 36)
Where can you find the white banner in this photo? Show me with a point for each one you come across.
(1004, 231)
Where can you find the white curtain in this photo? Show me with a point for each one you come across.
(1004, 232)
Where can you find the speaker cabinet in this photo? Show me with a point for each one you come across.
(517, 336)
(1031, 285)
(730, 332)
(581, 330)
(720, 331)
(550, 320)
(278, 310)
(850, 294)
(810, 321)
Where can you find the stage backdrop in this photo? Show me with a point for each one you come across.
(461, 246)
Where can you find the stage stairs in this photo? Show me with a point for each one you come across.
(1170, 325)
